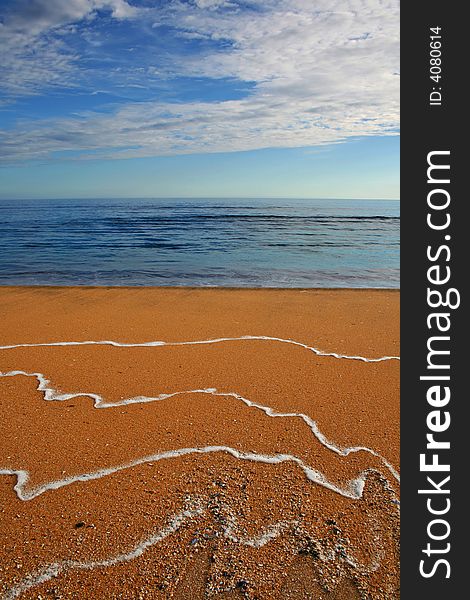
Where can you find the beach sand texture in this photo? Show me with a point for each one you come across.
(213, 443)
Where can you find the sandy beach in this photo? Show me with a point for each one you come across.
(199, 443)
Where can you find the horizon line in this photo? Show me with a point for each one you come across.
(212, 197)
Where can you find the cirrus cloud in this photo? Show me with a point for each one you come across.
(319, 72)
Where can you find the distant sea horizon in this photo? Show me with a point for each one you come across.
(221, 242)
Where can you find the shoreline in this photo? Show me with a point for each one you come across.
(201, 287)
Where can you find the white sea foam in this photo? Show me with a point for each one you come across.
(231, 530)
(59, 568)
(196, 342)
(353, 489)
(52, 394)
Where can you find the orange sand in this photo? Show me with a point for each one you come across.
(323, 544)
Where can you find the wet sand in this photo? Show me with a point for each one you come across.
(252, 453)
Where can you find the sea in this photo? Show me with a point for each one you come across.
(281, 243)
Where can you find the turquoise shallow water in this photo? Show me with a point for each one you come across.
(200, 242)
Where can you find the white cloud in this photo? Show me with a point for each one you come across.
(321, 72)
(213, 4)
(35, 16)
(34, 57)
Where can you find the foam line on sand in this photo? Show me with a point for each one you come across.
(353, 489)
(58, 568)
(51, 394)
(194, 510)
(196, 342)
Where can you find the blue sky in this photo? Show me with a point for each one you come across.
(199, 98)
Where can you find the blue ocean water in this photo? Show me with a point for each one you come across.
(200, 242)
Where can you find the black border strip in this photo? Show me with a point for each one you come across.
(429, 128)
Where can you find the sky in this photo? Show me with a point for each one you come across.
(172, 98)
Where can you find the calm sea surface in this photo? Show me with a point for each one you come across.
(259, 243)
